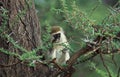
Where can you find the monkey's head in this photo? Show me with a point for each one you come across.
(57, 34)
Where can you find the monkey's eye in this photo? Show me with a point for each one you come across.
(56, 37)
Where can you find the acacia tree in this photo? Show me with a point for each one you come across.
(20, 33)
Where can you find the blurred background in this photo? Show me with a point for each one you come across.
(77, 18)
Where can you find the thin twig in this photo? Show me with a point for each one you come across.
(114, 60)
(105, 65)
(10, 65)
(118, 72)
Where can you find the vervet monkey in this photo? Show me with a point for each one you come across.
(60, 50)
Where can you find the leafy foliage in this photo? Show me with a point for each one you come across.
(83, 21)
(82, 24)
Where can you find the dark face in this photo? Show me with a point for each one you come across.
(56, 38)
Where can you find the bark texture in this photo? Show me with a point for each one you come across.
(23, 27)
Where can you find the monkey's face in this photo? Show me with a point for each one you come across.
(56, 38)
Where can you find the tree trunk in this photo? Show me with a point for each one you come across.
(23, 26)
